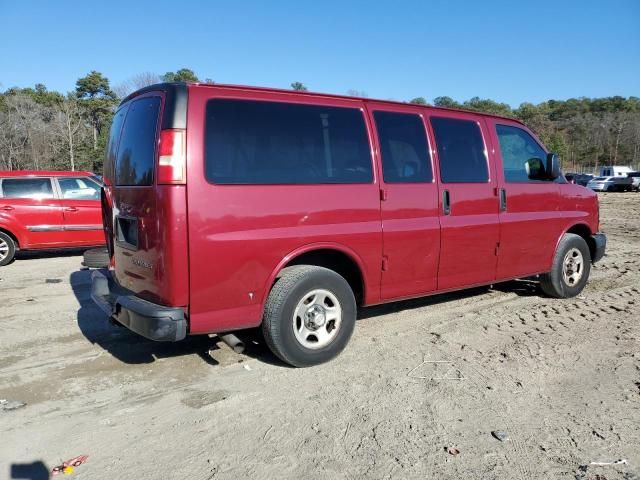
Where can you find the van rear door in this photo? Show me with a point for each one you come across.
(145, 216)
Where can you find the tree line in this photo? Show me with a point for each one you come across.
(44, 129)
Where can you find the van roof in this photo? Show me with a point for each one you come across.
(44, 173)
(169, 85)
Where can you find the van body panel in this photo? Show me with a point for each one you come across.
(530, 208)
(410, 222)
(239, 234)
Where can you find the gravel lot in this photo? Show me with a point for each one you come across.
(560, 377)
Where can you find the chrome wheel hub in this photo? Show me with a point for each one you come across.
(4, 249)
(317, 319)
(572, 267)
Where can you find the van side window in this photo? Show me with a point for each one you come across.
(461, 150)
(112, 145)
(403, 144)
(256, 142)
(35, 188)
(523, 159)
(137, 149)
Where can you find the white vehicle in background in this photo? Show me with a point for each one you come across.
(614, 171)
(611, 184)
(635, 178)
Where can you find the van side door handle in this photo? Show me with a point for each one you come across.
(503, 200)
(6, 208)
(71, 209)
(446, 202)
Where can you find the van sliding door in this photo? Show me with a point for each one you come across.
(468, 201)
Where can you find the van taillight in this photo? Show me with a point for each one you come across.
(172, 158)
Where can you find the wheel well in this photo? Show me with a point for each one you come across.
(339, 262)
(585, 232)
(15, 239)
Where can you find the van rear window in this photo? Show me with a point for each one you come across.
(254, 142)
(137, 149)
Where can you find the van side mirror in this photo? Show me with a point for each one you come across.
(535, 169)
(553, 166)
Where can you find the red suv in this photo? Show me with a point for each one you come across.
(42, 209)
(231, 207)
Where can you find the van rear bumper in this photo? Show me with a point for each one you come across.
(152, 321)
(600, 242)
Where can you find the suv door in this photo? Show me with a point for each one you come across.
(409, 206)
(29, 209)
(469, 225)
(80, 200)
(530, 224)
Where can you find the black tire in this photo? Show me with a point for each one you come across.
(611, 188)
(96, 258)
(293, 284)
(554, 283)
(8, 251)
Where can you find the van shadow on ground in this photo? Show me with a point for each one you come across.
(131, 348)
(128, 347)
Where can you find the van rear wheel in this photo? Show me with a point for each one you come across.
(309, 316)
(570, 270)
(7, 249)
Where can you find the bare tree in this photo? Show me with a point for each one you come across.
(68, 123)
(137, 82)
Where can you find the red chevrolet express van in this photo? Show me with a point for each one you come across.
(48, 209)
(231, 207)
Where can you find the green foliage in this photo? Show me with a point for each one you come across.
(446, 102)
(94, 86)
(40, 128)
(182, 75)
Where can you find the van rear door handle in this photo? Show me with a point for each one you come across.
(71, 209)
(6, 208)
(446, 202)
(503, 200)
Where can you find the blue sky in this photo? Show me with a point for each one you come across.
(505, 50)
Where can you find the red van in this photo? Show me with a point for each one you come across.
(231, 207)
(48, 209)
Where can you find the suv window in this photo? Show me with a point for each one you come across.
(403, 144)
(79, 188)
(36, 188)
(137, 149)
(254, 142)
(461, 150)
(523, 159)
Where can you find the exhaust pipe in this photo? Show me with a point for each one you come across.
(234, 342)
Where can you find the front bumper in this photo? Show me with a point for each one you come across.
(152, 321)
(600, 244)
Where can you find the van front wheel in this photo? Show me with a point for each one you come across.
(309, 316)
(570, 270)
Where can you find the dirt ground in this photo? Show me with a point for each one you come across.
(560, 377)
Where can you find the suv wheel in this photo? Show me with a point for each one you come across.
(570, 270)
(309, 316)
(7, 249)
